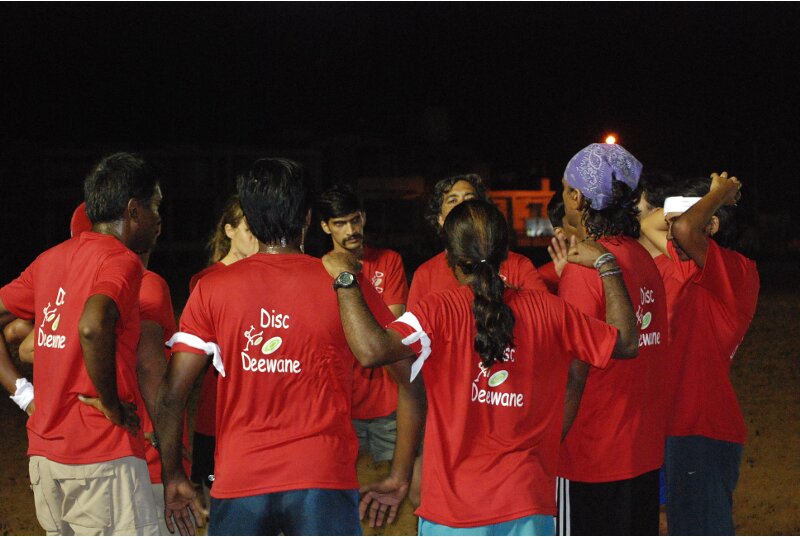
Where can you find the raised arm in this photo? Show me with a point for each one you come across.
(180, 496)
(654, 228)
(691, 229)
(98, 341)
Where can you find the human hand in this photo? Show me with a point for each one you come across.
(123, 415)
(584, 252)
(730, 185)
(382, 500)
(558, 251)
(337, 262)
(182, 506)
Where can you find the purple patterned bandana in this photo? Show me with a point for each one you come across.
(594, 168)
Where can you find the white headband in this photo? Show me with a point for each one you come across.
(678, 204)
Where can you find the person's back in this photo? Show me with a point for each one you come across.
(63, 429)
(495, 432)
(283, 403)
(627, 397)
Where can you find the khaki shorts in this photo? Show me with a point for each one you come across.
(106, 498)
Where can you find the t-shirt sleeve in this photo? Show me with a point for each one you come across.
(586, 338)
(395, 290)
(527, 276)
(119, 277)
(731, 280)
(580, 287)
(18, 296)
(196, 328)
(155, 304)
(414, 328)
(420, 286)
(375, 303)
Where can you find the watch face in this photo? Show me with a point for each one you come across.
(345, 279)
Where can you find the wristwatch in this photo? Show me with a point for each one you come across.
(345, 280)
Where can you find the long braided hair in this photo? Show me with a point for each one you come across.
(477, 243)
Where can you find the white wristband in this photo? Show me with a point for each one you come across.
(24, 394)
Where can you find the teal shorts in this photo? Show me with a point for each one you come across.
(529, 525)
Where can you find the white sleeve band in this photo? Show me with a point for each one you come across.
(678, 204)
(419, 334)
(24, 394)
(209, 348)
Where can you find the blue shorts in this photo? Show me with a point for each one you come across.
(293, 512)
(528, 525)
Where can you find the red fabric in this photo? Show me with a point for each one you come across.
(486, 463)
(205, 420)
(290, 428)
(80, 221)
(60, 281)
(374, 390)
(711, 310)
(436, 275)
(549, 277)
(155, 304)
(619, 431)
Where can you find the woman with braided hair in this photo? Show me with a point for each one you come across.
(494, 361)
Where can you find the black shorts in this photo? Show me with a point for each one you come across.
(203, 458)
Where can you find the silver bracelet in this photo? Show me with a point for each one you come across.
(603, 259)
(612, 272)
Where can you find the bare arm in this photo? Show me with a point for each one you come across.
(152, 364)
(5, 315)
(98, 341)
(397, 309)
(382, 499)
(654, 228)
(576, 381)
(619, 310)
(180, 496)
(690, 229)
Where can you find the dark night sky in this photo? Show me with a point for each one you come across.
(690, 88)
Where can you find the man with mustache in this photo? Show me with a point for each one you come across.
(374, 392)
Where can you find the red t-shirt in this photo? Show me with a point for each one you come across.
(205, 420)
(54, 290)
(550, 277)
(286, 381)
(491, 440)
(711, 311)
(155, 304)
(436, 275)
(374, 390)
(619, 431)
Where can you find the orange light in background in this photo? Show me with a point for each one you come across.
(611, 139)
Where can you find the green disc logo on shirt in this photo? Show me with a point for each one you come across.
(271, 345)
(646, 320)
(498, 378)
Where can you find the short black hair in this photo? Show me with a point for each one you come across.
(555, 210)
(339, 200)
(657, 186)
(444, 186)
(620, 217)
(275, 199)
(728, 235)
(114, 181)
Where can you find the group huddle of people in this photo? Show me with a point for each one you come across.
(574, 398)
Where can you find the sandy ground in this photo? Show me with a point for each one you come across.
(765, 373)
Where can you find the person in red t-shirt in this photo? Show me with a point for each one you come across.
(494, 359)
(712, 292)
(231, 242)
(85, 427)
(614, 428)
(435, 274)
(286, 449)
(342, 217)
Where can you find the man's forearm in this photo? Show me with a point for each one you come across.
(365, 336)
(619, 312)
(152, 364)
(168, 425)
(411, 408)
(98, 342)
(576, 381)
